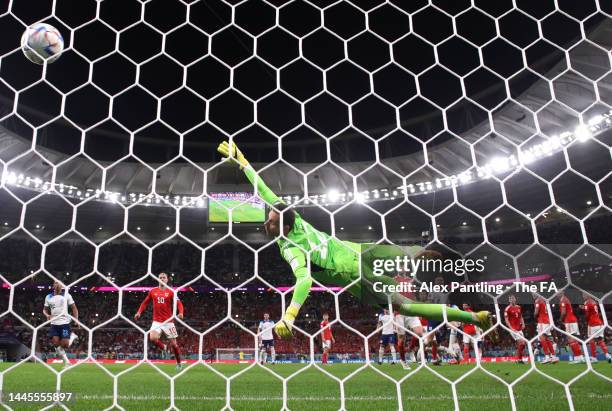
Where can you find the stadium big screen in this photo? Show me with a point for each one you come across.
(245, 208)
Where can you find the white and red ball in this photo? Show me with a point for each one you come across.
(42, 42)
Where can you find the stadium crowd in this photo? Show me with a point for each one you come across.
(206, 303)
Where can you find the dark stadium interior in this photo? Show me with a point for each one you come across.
(357, 132)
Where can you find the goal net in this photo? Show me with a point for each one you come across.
(479, 130)
(235, 354)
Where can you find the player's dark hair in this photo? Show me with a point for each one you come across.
(288, 215)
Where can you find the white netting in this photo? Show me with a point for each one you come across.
(235, 354)
(492, 112)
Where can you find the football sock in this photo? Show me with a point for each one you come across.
(177, 353)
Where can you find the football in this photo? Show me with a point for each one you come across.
(42, 42)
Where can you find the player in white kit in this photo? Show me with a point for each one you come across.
(387, 337)
(404, 323)
(454, 348)
(266, 339)
(56, 310)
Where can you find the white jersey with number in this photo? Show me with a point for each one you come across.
(387, 322)
(265, 329)
(58, 304)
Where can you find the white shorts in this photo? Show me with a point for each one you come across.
(517, 335)
(466, 337)
(406, 323)
(167, 328)
(596, 330)
(572, 328)
(544, 329)
(326, 344)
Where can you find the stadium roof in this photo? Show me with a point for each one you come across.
(569, 77)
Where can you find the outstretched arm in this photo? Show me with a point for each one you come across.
(231, 151)
(303, 282)
(143, 306)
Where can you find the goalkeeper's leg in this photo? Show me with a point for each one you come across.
(400, 302)
(403, 304)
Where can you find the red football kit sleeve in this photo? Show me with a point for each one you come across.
(591, 312)
(327, 334)
(469, 329)
(162, 304)
(570, 317)
(542, 312)
(515, 315)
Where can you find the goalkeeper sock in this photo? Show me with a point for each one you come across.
(436, 312)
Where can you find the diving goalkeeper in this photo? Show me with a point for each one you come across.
(343, 263)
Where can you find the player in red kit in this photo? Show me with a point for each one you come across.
(163, 301)
(327, 338)
(543, 327)
(595, 328)
(469, 330)
(513, 315)
(569, 320)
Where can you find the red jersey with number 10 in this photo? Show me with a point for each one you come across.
(515, 316)
(162, 304)
(327, 334)
(542, 311)
(591, 312)
(570, 317)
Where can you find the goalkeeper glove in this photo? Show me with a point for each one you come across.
(231, 151)
(283, 327)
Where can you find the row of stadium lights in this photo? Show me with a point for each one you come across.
(498, 165)
(168, 228)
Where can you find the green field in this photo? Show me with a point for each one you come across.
(144, 387)
(242, 212)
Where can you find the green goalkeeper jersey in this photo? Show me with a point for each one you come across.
(304, 240)
(340, 261)
(325, 251)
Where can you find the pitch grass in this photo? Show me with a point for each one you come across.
(144, 387)
(242, 212)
